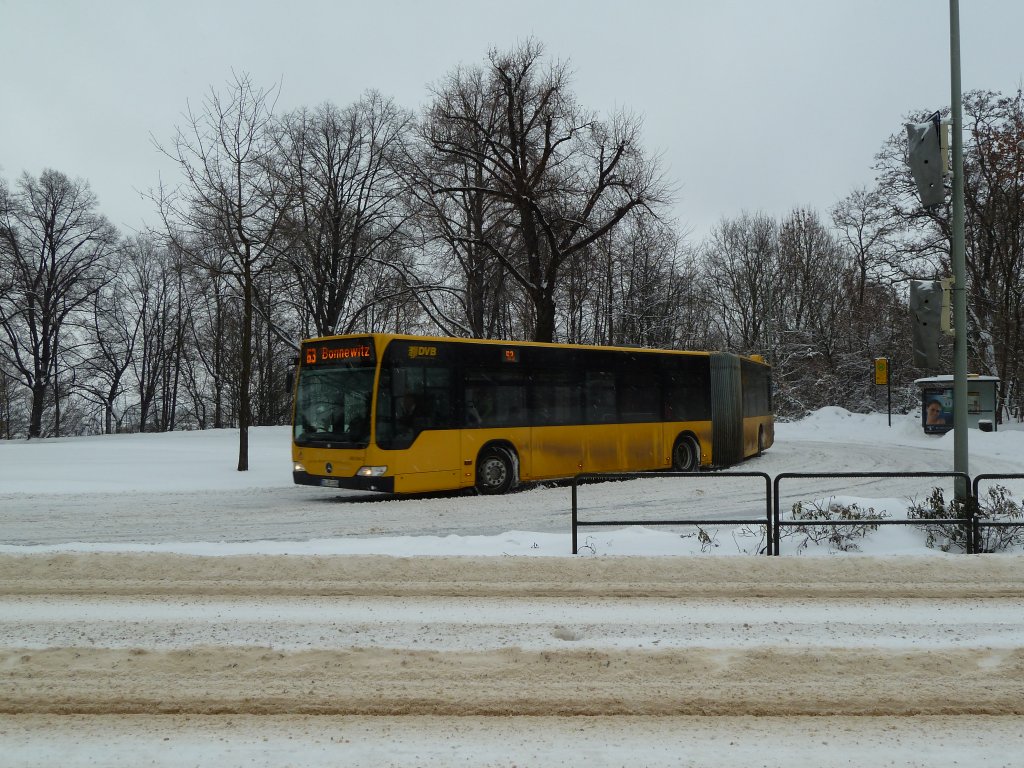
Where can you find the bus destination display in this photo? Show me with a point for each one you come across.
(335, 352)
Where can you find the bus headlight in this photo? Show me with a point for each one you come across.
(371, 471)
(298, 466)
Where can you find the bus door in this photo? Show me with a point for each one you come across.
(416, 420)
(639, 402)
(603, 447)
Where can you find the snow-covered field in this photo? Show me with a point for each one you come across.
(179, 492)
(159, 608)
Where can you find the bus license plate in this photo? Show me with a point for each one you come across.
(329, 482)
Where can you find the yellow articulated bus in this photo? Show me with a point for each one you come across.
(408, 414)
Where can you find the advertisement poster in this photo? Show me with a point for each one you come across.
(974, 402)
(937, 411)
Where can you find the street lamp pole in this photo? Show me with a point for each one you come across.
(958, 258)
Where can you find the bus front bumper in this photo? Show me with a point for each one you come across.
(355, 483)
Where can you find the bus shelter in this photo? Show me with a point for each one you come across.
(937, 403)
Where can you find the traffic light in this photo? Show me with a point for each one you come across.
(926, 313)
(924, 153)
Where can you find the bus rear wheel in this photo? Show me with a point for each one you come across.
(686, 454)
(495, 471)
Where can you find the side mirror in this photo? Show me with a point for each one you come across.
(289, 379)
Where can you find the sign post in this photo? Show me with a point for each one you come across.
(882, 377)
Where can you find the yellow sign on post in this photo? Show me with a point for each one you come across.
(881, 370)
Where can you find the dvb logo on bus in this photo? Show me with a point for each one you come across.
(415, 352)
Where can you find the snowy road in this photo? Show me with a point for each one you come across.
(326, 646)
(149, 634)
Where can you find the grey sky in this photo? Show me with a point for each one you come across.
(753, 105)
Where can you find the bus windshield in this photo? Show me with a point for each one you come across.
(332, 406)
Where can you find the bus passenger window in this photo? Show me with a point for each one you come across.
(687, 389)
(557, 398)
(495, 398)
(599, 391)
(639, 397)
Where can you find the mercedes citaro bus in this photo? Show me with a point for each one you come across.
(409, 414)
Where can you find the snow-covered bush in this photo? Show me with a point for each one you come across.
(998, 506)
(841, 536)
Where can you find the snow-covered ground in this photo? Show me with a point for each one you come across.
(179, 492)
(159, 608)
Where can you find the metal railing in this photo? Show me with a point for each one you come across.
(778, 523)
(773, 513)
(980, 522)
(596, 476)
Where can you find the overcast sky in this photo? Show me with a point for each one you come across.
(757, 106)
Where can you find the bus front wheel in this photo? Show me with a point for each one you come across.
(686, 454)
(495, 471)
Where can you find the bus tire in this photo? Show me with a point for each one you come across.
(686, 454)
(760, 441)
(495, 471)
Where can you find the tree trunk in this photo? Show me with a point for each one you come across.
(108, 414)
(543, 299)
(545, 329)
(244, 404)
(35, 423)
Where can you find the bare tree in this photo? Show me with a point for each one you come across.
(227, 214)
(206, 340)
(151, 277)
(463, 225)
(650, 294)
(112, 333)
(867, 228)
(811, 312)
(344, 171)
(13, 416)
(994, 203)
(634, 286)
(53, 245)
(742, 265)
(810, 263)
(567, 177)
